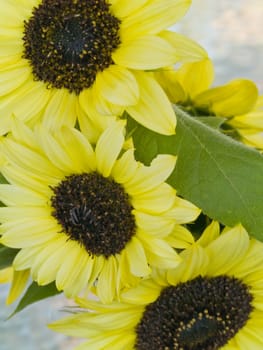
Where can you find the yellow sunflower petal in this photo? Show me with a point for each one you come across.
(102, 106)
(108, 148)
(123, 8)
(29, 100)
(231, 345)
(125, 167)
(71, 326)
(20, 213)
(156, 201)
(36, 183)
(74, 330)
(248, 339)
(78, 148)
(14, 195)
(7, 61)
(210, 233)
(252, 261)
(146, 292)
(46, 266)
(6, 275)
(24, 7)
(252, 138)
(6, 123)
(54, 151)
(98, 263)
(159, 253)
(67, 268)
(183, 211)
(84, 275)
(167, 78)
(195, 263)
(104, 343)
(60, 110)
(118, 85)
(25, 135)
(154, 225)
(87, 103)
(28, 158)
(10, 17)
(196, 77)
(155, 16)
(120, 343)
(137, 258)
(135, 53)
(180, 237)
(187, 50)
(154, 110)
(125, 279)
(227, 250)
(237, 97)
(25, 257)
(12, 78)
(10, 32)
(19, 283)
(252, 120)
(77, 281)
(10, 46)
(93, 126)
(106, 291)
(149, 177)
(27, 233)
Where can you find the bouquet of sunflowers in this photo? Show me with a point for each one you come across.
(128, 182)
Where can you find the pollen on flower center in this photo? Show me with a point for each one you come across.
(201, 314)
(67, 42)
(94, 211)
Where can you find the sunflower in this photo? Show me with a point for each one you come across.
(81, 215)
(18, 281)
(64, 59)
(236, 102)
(212, 300)
(250, 125)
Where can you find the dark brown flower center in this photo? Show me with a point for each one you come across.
(67, 42)
(201, 314)
(94, 211)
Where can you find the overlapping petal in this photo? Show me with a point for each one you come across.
(237, 97)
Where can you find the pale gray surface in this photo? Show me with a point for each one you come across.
(232, 33)
(27, 330)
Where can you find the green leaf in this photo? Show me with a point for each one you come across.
(148, 143)
(3, 179)
(35, 293)
(7, 256)
(214, 122)
(221, 176)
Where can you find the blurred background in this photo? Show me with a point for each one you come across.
(232, 33)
